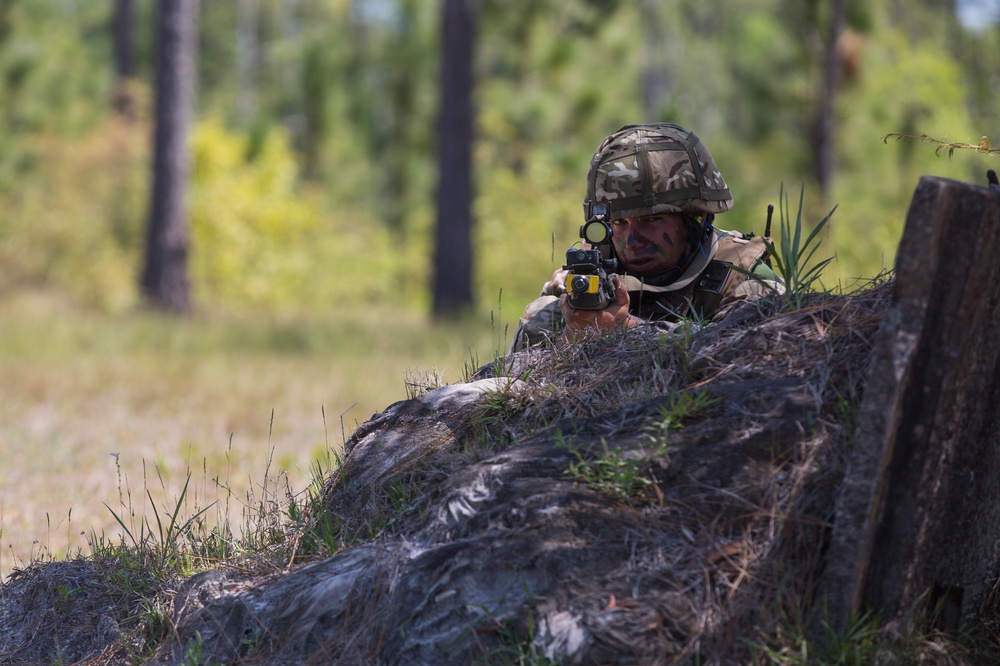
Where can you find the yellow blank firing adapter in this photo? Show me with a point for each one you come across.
(582, 284)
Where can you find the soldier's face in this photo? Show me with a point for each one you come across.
(650, 244)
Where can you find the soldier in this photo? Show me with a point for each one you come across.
(663, 190)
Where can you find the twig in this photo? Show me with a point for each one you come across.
(985, 144)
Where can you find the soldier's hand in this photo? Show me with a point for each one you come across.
(579, 321)
(557, 285)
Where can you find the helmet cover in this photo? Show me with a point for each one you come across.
(655, 168)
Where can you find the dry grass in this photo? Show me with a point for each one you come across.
(97, 409)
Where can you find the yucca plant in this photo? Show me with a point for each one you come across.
(792, 262)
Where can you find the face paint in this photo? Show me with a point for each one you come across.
(650, 245)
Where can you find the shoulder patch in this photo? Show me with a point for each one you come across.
(714, 277)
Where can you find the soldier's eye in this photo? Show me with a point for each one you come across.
(654, 219)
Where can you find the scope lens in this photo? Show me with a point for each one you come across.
(580, 284)
(595, 232)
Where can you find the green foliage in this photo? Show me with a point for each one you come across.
(262, 239)
(144, 564)
(906, 87)
(514, 206)
(858, 645)
(623, 475)
(316, 531)
(679, 408)
(516, 645)
(616, 474)
(556, 81)
(419, 383)
(77, 226)
(332, 170)
(866, 639)
(160, 548)
(793, 263)
(193, 651)
(50, 78)
(155, 625)
(319, 536)
(847, 411)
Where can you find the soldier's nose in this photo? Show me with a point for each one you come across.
(635, 237)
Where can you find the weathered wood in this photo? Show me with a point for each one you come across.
(919, 510)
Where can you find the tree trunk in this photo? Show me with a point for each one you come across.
(123, 102)
(452, 288)
(826, 129)
(655, 68)
(247, 13)
(315, 87)
(165, 276)
(403, 96)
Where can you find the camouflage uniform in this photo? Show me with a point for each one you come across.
(663, 168)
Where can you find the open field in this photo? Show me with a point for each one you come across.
(98, 409)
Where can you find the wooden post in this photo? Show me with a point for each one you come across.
(919, 510)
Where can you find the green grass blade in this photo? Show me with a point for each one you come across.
(128, 532)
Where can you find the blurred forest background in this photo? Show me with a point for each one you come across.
(312, 200)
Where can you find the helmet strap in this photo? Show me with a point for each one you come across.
(699, 231)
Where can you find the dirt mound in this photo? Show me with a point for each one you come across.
(62, 612)
(638, 498)
(652, 496)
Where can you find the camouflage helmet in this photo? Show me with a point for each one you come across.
(655, 168)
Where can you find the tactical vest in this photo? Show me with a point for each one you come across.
(699, 293)
(702, 296)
